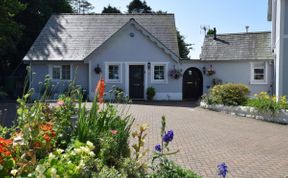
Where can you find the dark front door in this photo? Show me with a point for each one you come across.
(192, 84)
(136, 81)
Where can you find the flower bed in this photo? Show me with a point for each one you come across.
(48, 141)
(280, 117)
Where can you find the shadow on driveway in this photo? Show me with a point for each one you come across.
(188, 104)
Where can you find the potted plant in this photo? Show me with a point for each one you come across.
(150, 93)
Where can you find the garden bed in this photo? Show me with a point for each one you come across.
(280, 116)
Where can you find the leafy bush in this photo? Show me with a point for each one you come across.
(266, 103)
(150, 93)
(229, 94)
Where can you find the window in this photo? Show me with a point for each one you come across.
(113, 72)
(56, 72)
(159, 73)
(258, 73)
(61, 72)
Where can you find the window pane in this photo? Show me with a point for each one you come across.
(113, 72)
(66, 72)
(56, 72)
(159, 72)
(259, 77)
(259, 71)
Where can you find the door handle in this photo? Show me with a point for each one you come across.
(189, 83)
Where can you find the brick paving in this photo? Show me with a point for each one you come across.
(249, 147)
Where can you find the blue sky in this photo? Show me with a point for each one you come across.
(228, 16)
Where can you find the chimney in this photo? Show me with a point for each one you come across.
(247, 29)
(215, 33)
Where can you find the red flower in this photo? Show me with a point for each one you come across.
(53, 133)
(114, 132)
(37, 145)
(47, 138)
(100, 89)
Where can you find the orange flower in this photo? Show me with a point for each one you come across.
(46, 127)
(37, 145)
(47, 138)
(7, 153)
(100, 89)
(5, 142)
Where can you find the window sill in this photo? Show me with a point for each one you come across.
(258, 83)
(159, 82)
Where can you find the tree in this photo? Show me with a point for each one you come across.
(111, 9)
(137, 6)
(10, 33)
(184, 48)
(81, 6)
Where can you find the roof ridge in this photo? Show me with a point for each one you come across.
(119, 14)
(241, 33)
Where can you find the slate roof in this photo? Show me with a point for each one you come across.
(237, 46)
(74, 37)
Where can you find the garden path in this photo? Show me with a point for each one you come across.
(249, 147)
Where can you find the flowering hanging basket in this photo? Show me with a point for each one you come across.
(97, 70)
(175, 73)
(211, 72)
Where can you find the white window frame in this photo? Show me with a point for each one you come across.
(165, 64)
(107, 64)
(60, 67)
(260, 82)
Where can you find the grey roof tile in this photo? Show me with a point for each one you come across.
(74, 37)
(237, 46)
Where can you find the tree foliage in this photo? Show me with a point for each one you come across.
(184, 48)
(110, 9)
(10, 29)
(81, 6)
(138, 6)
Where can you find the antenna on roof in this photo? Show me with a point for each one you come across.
(247, 28)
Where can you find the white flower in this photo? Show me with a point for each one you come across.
(54, 173)
(51, 156)
(59, 151)
(18, 140)
(90, 145)
(1, 167)
(40, 169)
(14, 172)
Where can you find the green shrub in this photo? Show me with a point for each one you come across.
(150, 93)
(230, 94)
(266, 103)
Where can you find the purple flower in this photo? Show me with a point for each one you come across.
(222, 169)
(168, 137)
(158, 148)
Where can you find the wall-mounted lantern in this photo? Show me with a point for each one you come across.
(97, 69)
(149, 65)
(204, 70)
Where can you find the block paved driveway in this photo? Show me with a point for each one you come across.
(249, 147)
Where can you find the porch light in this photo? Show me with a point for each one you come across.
(97, 69)
(204, 70)
(149, 65)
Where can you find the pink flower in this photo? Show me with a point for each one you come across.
(114, 132)
(60, 102)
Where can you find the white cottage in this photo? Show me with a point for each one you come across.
(133, 52)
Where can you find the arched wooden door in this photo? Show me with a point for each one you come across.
(192, 84)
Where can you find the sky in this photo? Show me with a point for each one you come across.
(228, 16)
